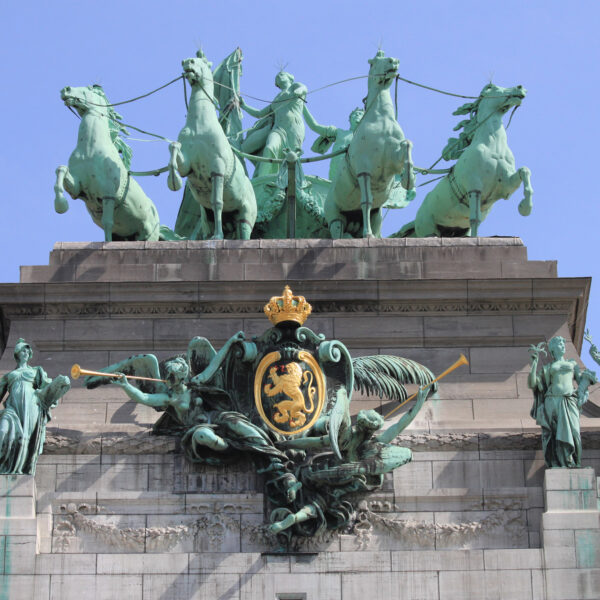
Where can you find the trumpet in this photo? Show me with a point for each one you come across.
(461, 361)
(77, 372)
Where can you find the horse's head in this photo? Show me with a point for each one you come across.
(498, 99)
(82, 99)
(383, 70)
(197, 70)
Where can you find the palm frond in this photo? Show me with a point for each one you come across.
(385, 375)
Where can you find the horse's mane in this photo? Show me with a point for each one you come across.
(456, 146)
(115, 128)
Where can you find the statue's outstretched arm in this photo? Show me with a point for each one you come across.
(390, 433)
(533, 381)
(154, 400)
(255, 112)
(311, 122)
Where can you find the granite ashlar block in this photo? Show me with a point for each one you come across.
(587, 548)
(443, 410)
(65, 564)
(558, 538)
(136, 502)
(434, 560)
(379, 329)
(383, 586)
(570, 479)
(19, 553)
(559, 557)
(413, 478)
(19, 527)
(190, 587)
(134, 564)
(342, 562)
(500, 409)
(234, 563)
(182, 330)
(476, 328)
(98, 587)
(576, 519)
(532, 268)
(84, 332)
(15, 507)
(503, 359)
(565, 584)
(559, 500)
(452, 269)
(260, 587)
(17, 485)
(480, 474)
(488, 585)
(512, 558)
(36, 587)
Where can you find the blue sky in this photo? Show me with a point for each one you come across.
(130, 47)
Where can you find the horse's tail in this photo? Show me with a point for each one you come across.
(312, 390)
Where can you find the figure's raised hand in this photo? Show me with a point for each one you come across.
(535, 350)
(587, 336)
(120, 379)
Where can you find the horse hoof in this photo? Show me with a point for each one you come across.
(61, 205)
(525, 208)
(174, 182)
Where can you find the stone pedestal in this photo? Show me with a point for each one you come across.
(571, 534)
(18, 538)
(120, 512)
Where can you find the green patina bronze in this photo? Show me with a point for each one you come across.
(594, 352)
(328, 135)
(280, 126)
(209, 399)
(217, 180)
(371, 165)
(98, 171)
(377, 153)
(558, 403)
(484, 172)
(28, 395)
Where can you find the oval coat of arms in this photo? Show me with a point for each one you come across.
(289, 394)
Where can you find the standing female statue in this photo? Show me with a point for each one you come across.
(280, 125)
(30, 394)
(557, 403)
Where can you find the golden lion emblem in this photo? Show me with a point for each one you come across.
(294, 410)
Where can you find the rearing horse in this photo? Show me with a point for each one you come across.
(203, 153)
(484, 172)
(377, 153)
(98, 171)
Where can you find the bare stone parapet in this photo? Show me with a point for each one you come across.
(268, 260)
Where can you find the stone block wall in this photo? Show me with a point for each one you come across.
(118, 512)
(103, 526)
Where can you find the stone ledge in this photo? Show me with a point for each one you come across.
(134, 440)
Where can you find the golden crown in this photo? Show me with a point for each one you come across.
(287, 308)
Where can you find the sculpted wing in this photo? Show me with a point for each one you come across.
(140, 365)
(385, 375)
(199, 354)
